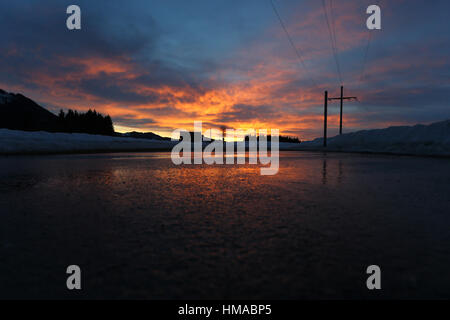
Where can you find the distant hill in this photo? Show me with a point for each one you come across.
(18, 112)
(431, 140)
(143, 135)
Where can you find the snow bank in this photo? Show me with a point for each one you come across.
(15, 141)
(26, 142)
(432, 140)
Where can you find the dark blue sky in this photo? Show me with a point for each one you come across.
(160, 65)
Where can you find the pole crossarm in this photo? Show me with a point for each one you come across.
(343, 98)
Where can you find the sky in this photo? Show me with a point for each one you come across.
(161, 65)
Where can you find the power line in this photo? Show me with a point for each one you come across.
(332, 40)
(366, 52)
(334, 34)
(297, 51)
(365, 58)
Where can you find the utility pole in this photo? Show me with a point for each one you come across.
(325, 115)
(342, 98)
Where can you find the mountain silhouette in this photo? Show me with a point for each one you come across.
(18, 112)
(143, 135)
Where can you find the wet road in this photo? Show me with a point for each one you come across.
(141, 227)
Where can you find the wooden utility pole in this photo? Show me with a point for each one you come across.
(325, 115)
(342, 98)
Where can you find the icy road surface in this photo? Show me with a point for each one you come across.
(141, 227)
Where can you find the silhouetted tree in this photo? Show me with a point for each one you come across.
(89, 122)
(280, 139)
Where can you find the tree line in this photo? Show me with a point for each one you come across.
(89, 122)
(280, 139)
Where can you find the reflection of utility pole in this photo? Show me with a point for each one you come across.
(325, 115)
(224, 130)
(342, 98)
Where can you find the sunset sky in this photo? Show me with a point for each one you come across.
(161, 65)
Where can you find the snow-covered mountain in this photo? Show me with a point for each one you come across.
(433, 140)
